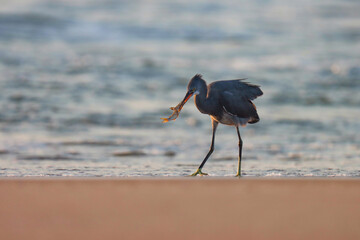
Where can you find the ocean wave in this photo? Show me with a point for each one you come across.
(59, 157)
(30, 25)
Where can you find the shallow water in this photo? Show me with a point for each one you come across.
(84, 85)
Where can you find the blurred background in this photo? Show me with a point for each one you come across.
(84, 84)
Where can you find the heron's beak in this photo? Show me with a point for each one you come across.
(186, 98)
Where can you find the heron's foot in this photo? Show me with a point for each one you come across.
(238, 175)
(198, 172)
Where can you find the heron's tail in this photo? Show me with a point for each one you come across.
(255, 117)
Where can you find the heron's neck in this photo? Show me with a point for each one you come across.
(201, 100)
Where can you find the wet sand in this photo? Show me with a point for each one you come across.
(180, 208)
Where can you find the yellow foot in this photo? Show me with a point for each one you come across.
(238, 175)
(198, 172)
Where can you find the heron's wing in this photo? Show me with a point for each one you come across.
(235, 97)
(238, 105)
(237, 87)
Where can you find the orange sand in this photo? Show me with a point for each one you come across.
(184, 208)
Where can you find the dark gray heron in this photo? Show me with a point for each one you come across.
(227, 101)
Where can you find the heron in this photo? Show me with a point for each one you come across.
(226, 101)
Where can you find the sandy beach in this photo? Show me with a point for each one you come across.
(179, 208)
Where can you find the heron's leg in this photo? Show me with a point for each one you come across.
(240, 150)
(214, 126)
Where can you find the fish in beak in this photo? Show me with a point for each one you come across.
(177, 109)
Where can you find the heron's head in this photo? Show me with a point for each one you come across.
(195, 84)
(194, 87)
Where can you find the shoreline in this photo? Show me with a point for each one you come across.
(179, 208)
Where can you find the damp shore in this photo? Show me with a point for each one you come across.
(179, 208)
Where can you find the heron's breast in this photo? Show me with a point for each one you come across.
(230, 119)
(224, 118)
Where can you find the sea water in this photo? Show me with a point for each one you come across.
(84, 84)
